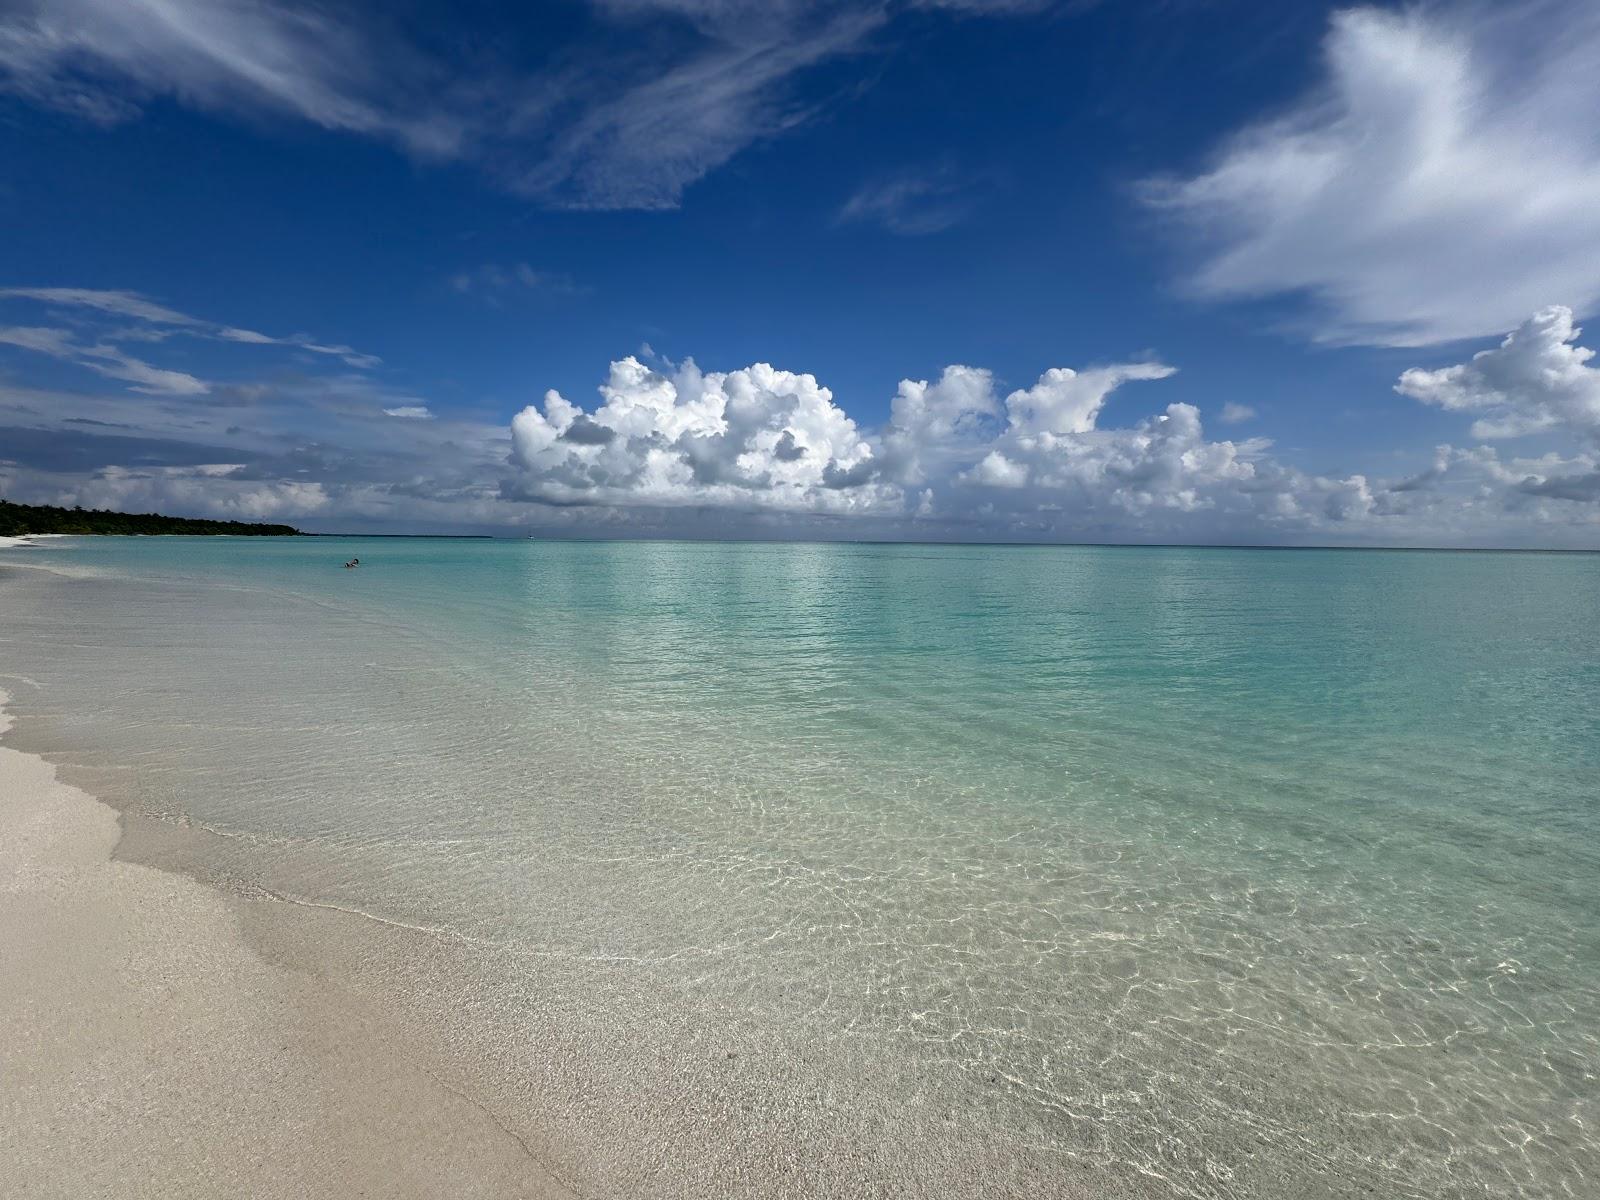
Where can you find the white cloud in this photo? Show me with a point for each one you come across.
(994, 469)
(1068, 401)
(754, 438)
(103, 359)
(115, 303)
(1234, 413)
(1441, 184)
(1049, 468)
(762, 451)
(114, 364)
(249, 337)
(642, 143)
(158, 322)
(235, 55)
(936, 429)
(212, 490)
(622, 117)
(55, 342)
(494, 282)
(957, 460)
(1535, 381)
(762, 438)
(915, 203)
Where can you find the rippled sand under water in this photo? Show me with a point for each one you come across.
(862, 870)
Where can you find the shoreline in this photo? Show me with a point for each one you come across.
(205, 1041)
(154, 1051)
(26, 541)
(355, 926)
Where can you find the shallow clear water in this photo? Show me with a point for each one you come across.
(1210, 872)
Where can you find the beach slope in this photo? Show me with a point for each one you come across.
(150, 1052)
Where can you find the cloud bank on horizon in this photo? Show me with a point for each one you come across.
(672, 448)
(1438, 183)
(954, 459)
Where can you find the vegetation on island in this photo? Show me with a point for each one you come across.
(19, 520)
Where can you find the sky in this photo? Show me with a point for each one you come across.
(1175, 271)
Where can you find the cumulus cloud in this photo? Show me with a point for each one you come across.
(953, 456)
(672, 449)
(1047, 468)
(957, 458)
(1068, 401)
(937, 428)
(757, 438)
(1535, 381)
(1442, 182)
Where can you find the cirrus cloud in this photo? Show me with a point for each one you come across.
(642, 100)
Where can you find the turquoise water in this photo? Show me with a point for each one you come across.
(1192, 872)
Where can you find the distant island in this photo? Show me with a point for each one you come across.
(19, 520)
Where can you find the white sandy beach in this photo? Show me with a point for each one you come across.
(150, 1052)
(25, 540)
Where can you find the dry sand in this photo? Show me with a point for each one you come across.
(149, 1051)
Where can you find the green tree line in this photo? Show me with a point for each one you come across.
(19, 519)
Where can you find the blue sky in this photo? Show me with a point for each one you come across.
(1165, 271)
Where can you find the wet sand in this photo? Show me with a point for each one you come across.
(150, 1051)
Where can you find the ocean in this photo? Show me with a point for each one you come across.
(896, 869)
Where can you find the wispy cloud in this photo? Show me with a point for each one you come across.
(158, 322)
(496, 283)
(307, 437)
(116, 303)
(1441, 183)
(55, 342)
(103, 359)
(656, 94)
(641, 145)
(914, 203)
(114, 364)
(101, 59)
